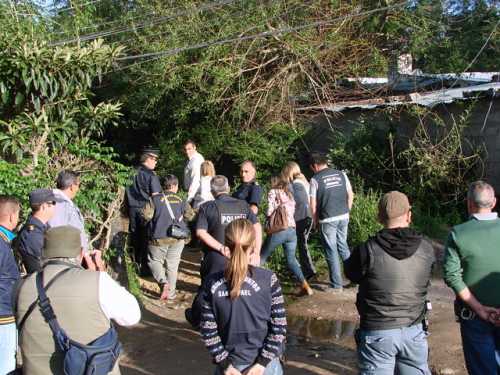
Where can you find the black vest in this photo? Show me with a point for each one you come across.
(228, 210)
(392, 294)
(331, 196)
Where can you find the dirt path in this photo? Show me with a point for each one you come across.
(320, 342)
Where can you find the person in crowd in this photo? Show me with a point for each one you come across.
(277, 196)
(84, 302)
(244, 320)
(472, 269)
(331, 199)
(9, 276)
(144, 186)
(393, 269)
(165, 251)
(29, 242)
(207, 171)
(192, 170)
(213, 218)
(249, 189)
(67, 213)
(303, 218)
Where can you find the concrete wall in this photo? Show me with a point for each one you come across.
(322, 131)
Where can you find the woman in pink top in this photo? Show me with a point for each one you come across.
(280, 195)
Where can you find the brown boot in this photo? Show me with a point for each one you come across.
(306, 289)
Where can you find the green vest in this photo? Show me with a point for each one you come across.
(74, 298)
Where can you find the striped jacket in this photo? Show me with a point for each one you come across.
(250, 329)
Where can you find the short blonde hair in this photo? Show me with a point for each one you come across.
(207, 168)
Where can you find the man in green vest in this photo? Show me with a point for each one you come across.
(84, 302)
(472, 269)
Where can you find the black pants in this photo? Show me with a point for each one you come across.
(303, 228)
(139, 234)
(213, 262)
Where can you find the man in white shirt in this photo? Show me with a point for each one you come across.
(84, 302)
(192, 174)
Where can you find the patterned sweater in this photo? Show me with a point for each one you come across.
(250, 329)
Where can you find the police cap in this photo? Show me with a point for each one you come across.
(152, 151)
(39, 196)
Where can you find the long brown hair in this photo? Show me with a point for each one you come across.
(240, 239)
(277, 182)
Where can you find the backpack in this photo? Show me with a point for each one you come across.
(97, 358)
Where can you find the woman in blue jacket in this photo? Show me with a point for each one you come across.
(243, 321)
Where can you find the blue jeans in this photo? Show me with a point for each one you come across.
(273, 368)
(8, 347)
(403, 351)
(334, 238)
(481, 345)
(287, 238)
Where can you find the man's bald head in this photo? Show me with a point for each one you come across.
(481, 195)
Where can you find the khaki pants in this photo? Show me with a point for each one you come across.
(163, 260)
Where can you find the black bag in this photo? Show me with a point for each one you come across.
(176, 230)
(97, 358)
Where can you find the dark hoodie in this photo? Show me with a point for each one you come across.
(400, 243)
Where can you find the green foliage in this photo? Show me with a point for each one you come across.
(363, 219)
(49, 120)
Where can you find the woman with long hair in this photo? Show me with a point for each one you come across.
(292, 174)
(207, 171)
(280, 195)
(243, 320)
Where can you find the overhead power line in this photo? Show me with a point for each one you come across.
(276, 32)
(159, 20)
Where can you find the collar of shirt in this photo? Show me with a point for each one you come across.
(58, 193)
(223, 196)
(36, 222)
(486, 216)
(7, 233)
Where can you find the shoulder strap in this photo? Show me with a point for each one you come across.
(33, 305)
(169, 208)
(48, 313)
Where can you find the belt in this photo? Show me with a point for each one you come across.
(163, 241)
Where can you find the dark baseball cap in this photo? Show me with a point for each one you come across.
(392, 205)
(39, 196)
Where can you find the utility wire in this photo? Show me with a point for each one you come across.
(264, 34)
(92, 36)
(269, 3)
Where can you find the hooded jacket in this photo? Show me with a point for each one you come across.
(393, 270)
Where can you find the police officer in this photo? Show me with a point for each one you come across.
(249, 190)
(213, 218)
(30, 239)
(145, 184)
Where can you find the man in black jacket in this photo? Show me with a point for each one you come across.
(393, 270)
(144, 186)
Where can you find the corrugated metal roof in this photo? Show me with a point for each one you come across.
(427, 99)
